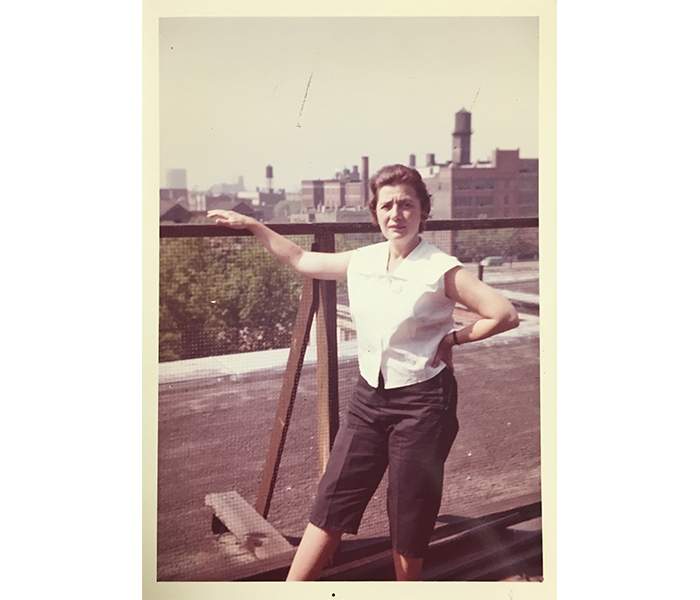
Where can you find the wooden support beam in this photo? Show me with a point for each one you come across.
(327, 355)
(300, 337)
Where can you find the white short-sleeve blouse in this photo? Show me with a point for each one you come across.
(400, 317)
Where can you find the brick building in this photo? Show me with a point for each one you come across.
(348, 189)
(505, 186)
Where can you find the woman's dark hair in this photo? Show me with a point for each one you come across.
(397, 175)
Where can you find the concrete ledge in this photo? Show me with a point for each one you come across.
(235, 366)
(245, 364)
(522, 300)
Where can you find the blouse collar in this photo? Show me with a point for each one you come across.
(411, 256)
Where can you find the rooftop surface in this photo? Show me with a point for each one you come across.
(214, 429)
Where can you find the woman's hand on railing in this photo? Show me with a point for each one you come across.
(231, 218)
(319, 265)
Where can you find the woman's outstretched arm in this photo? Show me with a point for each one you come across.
(319, 265)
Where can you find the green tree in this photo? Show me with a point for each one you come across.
(222, 296)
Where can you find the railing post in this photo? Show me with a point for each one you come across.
(327, 356)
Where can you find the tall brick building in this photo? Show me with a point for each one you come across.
(505, 186)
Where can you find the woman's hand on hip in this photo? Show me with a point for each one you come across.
(231, 218)
(444, 352)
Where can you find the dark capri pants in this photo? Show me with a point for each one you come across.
(409, 429)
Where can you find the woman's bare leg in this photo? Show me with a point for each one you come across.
(315, 550)
(407, 568)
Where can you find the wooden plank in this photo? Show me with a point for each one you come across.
(244, 522)
(252, 544)
(300, 338)
(498, 555)
(327, 359)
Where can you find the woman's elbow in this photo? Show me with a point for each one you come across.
(297, 259)
(510, 319)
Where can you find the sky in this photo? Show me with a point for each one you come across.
(310, 96)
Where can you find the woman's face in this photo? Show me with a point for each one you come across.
(398, 212)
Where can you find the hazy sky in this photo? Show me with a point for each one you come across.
(231, 91)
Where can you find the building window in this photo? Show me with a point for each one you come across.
(484, 184)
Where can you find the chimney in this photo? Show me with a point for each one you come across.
(365, 180)
(268, 175)
(430, 159)
(412, 161)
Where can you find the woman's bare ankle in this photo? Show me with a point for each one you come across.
(315, 550)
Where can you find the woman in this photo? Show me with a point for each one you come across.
(402, 415)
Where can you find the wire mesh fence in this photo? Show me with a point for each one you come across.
(227, 311)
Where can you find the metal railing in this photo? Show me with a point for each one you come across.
(330, 229)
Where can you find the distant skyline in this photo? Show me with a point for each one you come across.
(232, 89)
